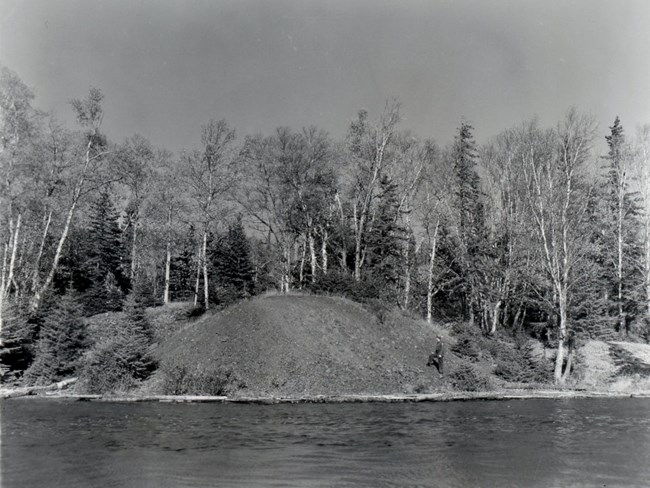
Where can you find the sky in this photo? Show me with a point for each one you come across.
(168, 66)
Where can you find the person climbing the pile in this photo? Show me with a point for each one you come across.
(436, 359)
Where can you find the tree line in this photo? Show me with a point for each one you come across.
(533, 232)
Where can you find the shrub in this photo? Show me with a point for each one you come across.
(181, 380)
(466, 347)
(195, 311)
(518, 365)
(121, 357)
(368, 290)
(16, 351)
(136, 314)
(117, 364)
(468, 378)
(224, 296)
(468, 341)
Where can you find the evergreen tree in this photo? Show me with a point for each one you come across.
(123, 357)
(16, 342)
(183, 268)
(386, 238)
(72, 272)
(239, 268)
(230, 257)
(105, 257)
(623, 223)
(593, 309)
(471, 219)
(61, 342)
(135, 311)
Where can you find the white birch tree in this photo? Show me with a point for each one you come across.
(210, 175)
(553, 164)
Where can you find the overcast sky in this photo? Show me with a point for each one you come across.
(168, 66)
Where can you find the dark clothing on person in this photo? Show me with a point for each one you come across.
(572, 341)
(438, 363)
(437, 358)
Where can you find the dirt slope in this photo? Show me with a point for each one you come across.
(294, 345)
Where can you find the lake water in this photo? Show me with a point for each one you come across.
(585, 442)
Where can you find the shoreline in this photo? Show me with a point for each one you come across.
(270, 400)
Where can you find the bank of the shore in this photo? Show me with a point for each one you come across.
(518, 394)
(299, 349)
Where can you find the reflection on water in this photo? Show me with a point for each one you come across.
(587, 442)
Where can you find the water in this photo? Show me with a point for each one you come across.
(586, 442)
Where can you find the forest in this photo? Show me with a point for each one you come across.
(542, 231)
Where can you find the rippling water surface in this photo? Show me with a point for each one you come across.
(586, 442)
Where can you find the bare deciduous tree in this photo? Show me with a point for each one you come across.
(369, 147)
(210, 175)
(553, 164)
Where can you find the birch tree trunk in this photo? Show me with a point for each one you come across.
(133, 249)
(303, 257)
(359, 230)
(323, 252)
(3, 284)
(12, 260)
(168, 262)
(619, 270)
(205, 268)
(495, 317)
(36, 301)
(432, 260)
(312, 255)
(285, 286)
(559, 358)
(198, 275)
(168, 259)
(39, 256)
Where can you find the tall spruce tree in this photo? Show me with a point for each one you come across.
(61, 341)
(386, 238)
(105, 257)
(17, 347)
(230, 257)
(471, 220)
(183, 267)
(135, 310)
(624, 224)
(239, 271)
(593, 309)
